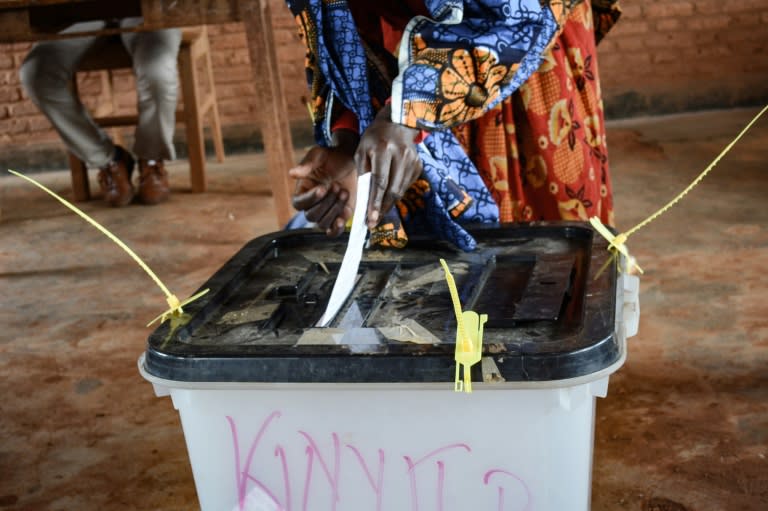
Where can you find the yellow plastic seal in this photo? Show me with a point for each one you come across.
(469, 336)
(617, 243)
(173, 302)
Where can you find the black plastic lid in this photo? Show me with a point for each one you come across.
(549, 318)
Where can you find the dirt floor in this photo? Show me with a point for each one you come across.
(684, 426)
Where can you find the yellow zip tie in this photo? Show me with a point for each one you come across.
(176, 308)
(617, 243)
(173, 302)
(469, 336)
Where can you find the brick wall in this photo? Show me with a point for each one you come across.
(663, 56)
(676, 55)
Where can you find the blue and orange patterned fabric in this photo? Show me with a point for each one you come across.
(543, 152)
(454, 72)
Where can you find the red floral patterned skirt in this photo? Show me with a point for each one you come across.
(542, 152)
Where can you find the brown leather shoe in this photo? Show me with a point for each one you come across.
(153, 182)
(115, 179)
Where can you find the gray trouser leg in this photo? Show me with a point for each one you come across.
(45, 76)
(49, 66)
(157, 82)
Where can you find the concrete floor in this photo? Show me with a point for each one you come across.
(684, 426)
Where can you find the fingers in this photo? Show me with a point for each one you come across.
(381, 163)
(405, 172)
(399, 183)
(303, 199)
(336, 219)
(323, 180)
(362, 161)
(329, 209)
(391, 176)
(314, 159)
(329, 212)
(338, 222)
(318, 210)
(300, 171)
(309, 189)
(387, 150)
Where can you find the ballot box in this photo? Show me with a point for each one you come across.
(363, 414)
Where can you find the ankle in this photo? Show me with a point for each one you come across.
(119, 155)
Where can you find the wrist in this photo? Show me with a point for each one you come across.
(385, 114)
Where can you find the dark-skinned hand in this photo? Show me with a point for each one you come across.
(326, 182)
(388, 151)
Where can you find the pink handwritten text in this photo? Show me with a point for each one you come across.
(336, 474)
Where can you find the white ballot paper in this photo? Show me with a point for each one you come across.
(345, 280)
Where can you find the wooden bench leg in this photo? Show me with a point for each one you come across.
(193, 121)
(265, 68)
(79, 171)
(81, 189)
(218, 141)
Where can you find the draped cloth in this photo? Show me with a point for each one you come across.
(460, 71)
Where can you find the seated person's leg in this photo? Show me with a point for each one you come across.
(45, 76)
(155, 65)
